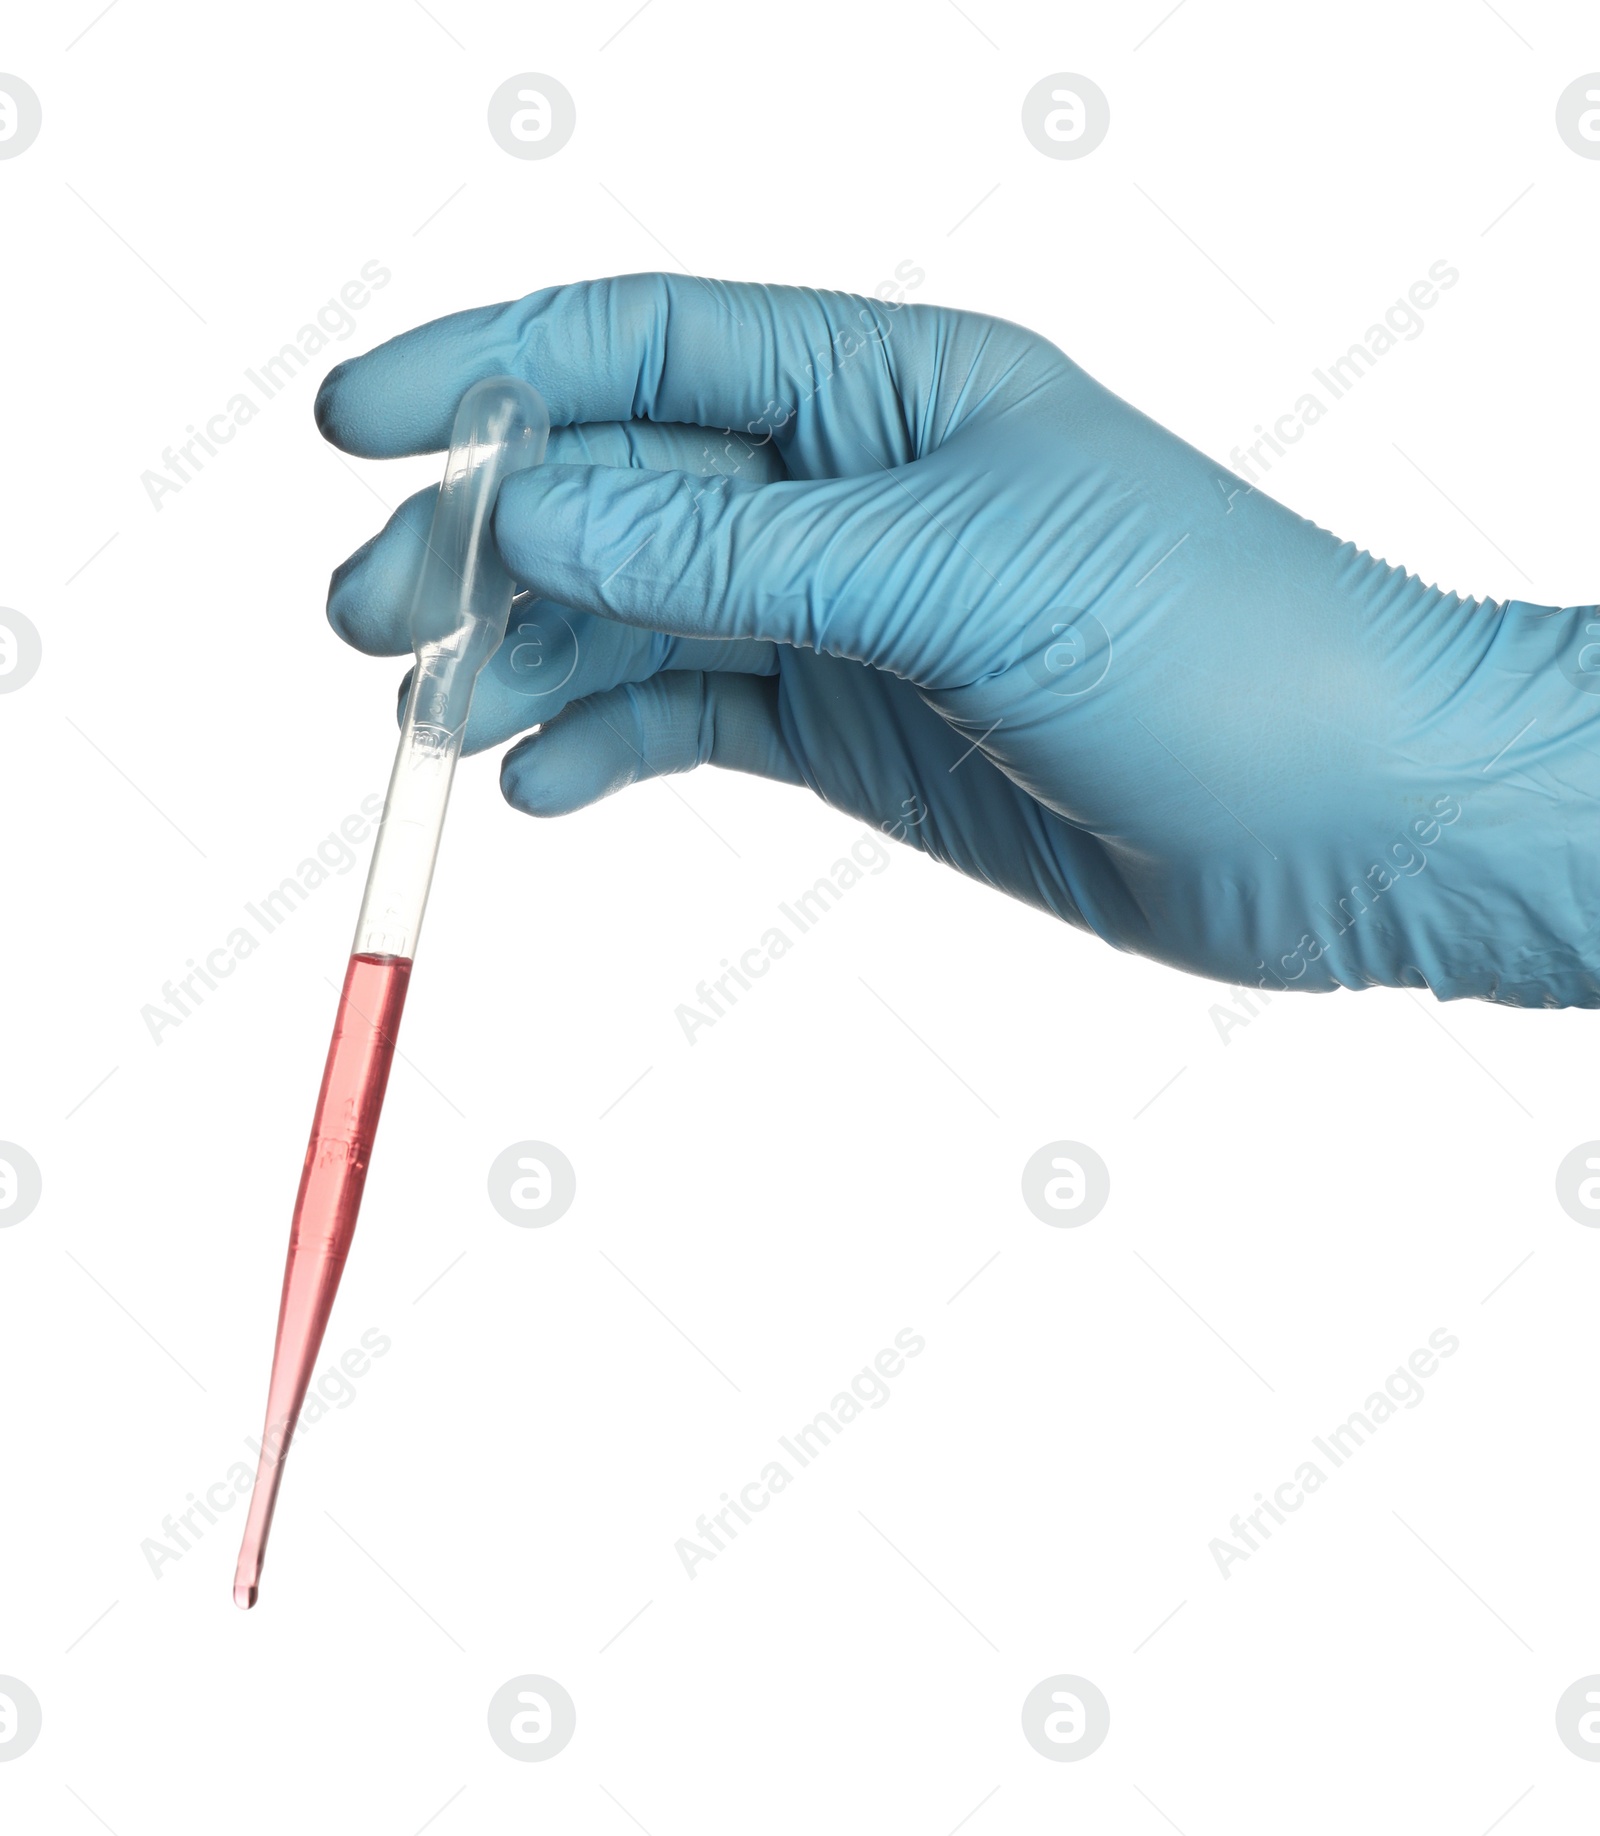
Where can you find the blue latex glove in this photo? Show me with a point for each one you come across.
(919, 561)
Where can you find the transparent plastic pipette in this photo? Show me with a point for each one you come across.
(458, 618)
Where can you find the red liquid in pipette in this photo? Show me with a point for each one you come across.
(348, 1107)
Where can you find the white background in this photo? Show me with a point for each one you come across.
(1288, 1220)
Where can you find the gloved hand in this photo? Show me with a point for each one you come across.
(919, 561)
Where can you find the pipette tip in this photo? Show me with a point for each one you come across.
(245, 1593)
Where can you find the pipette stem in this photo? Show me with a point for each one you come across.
(331, 1181)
